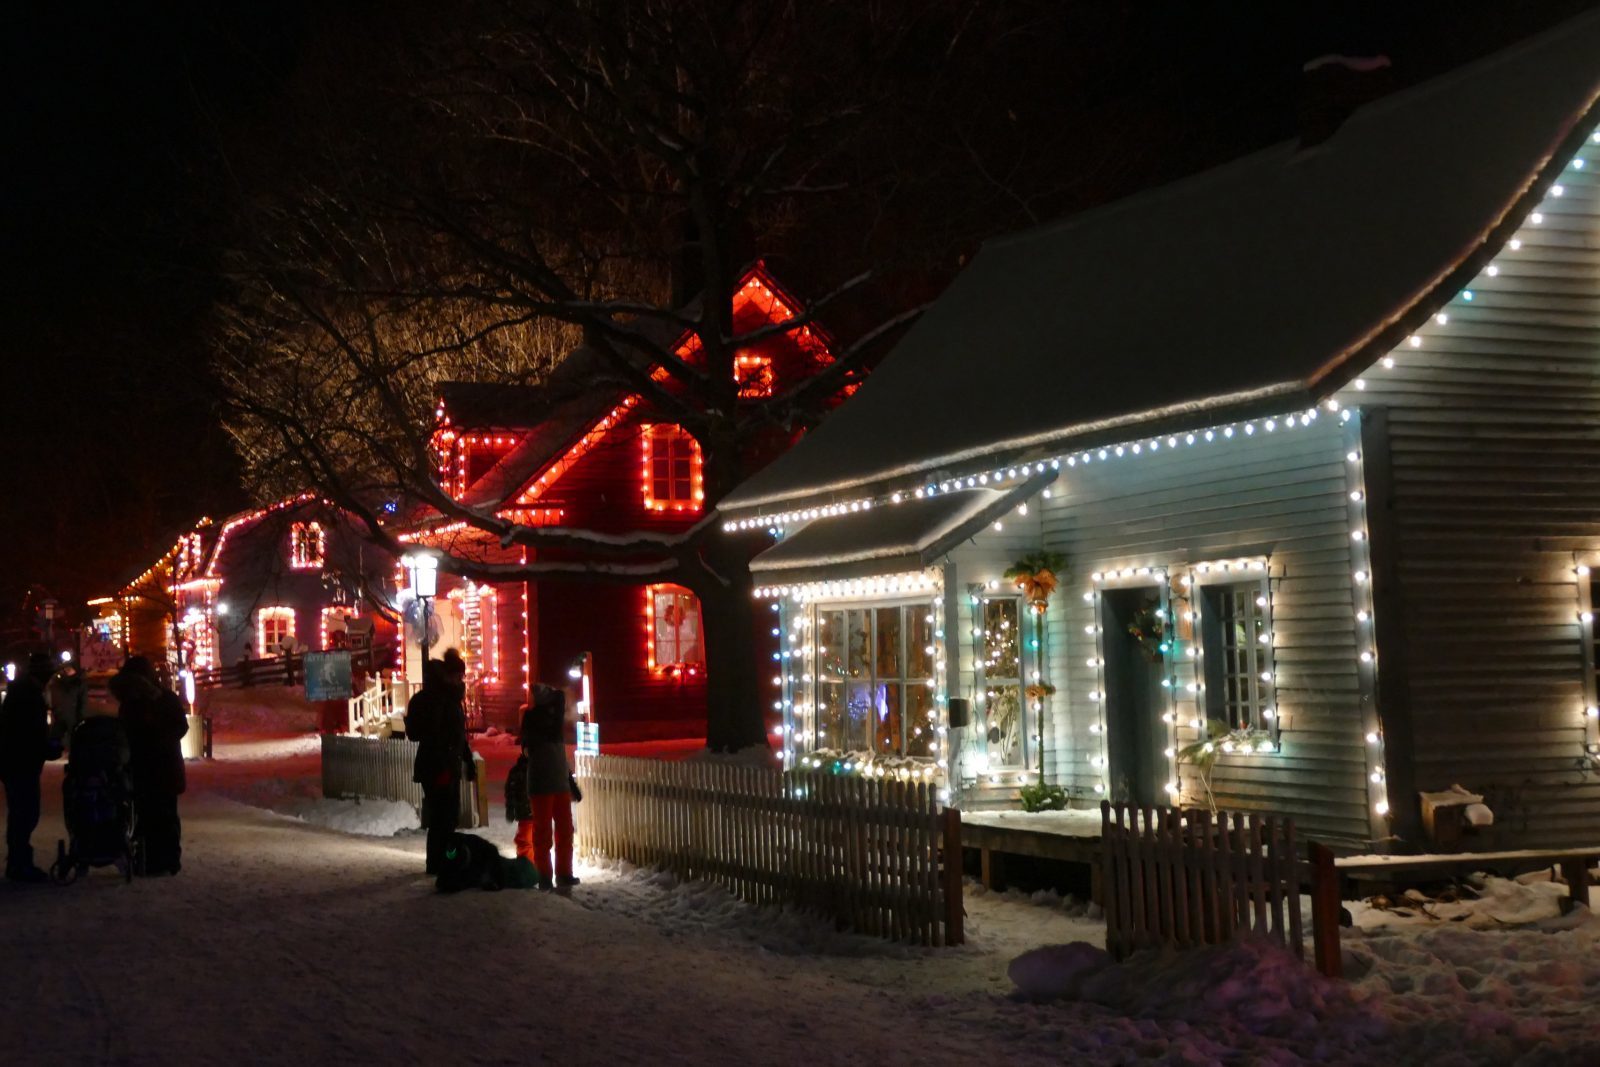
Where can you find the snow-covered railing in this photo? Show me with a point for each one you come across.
(1183, 878)
(380, 768)
(877, 856)
(385, 696)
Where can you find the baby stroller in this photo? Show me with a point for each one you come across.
(97, 797)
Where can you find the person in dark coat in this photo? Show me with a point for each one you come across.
(155, 722)
(24, 748)
(549, 789)
(436, 722)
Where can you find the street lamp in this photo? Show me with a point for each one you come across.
(49, 607)
(422, 571)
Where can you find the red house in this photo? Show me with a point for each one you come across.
(596, 459)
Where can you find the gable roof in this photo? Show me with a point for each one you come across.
(1255, 288)
(568, 406)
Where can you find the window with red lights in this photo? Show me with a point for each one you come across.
(753, 375)
(673, 478)
(306, 545)
(672, 620)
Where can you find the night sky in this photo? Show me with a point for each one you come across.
(118, 119)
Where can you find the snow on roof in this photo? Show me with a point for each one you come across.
(908, 537)
(1254, 288)
(546, 440)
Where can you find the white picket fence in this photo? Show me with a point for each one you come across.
(868, 853)
(1184, 878)
(380, 769)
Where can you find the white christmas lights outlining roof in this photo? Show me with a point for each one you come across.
(1302, 266)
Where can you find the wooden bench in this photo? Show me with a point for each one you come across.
(1328, 875)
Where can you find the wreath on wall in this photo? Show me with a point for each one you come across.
(1035, 574)
(1149, 629)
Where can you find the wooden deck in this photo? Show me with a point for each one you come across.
(996, 835)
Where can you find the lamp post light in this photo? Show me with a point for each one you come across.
(422, 571)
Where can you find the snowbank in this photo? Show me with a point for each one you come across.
(301, 799)
(261, 709)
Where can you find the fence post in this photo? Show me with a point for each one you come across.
(1325, 911)
(954, 912)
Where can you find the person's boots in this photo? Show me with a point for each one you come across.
(24, 870)
(567, 881)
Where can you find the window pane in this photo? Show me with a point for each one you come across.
(830, 715)
(886, 720)
(858, 663)
(1002, 638)
(886, 643)
(921, 721)
(919, 642)
(859, 704)
(1004, 705)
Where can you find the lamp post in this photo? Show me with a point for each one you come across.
(49, 608)
(422, 571)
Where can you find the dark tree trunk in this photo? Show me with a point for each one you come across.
(738, 681)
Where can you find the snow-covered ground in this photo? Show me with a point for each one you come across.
(303, 931)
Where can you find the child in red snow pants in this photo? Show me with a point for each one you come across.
(551, 825)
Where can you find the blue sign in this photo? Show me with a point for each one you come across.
(328, 676)
(588, 738)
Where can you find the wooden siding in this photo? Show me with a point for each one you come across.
(1282, 495)
(1494, 452)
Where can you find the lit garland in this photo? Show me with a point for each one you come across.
(676, 666)
(268, 615)
(308, 545)
(1138, 447)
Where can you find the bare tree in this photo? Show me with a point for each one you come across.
(544, 174)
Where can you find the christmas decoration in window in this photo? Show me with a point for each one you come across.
(753, 375)
(306, 545)
(673, 479)
(274, 629)
(672, 641)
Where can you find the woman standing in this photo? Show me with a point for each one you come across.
(155, 723)
(550, 789)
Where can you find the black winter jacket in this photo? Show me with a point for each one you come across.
(155, 723)
(24, 729)
(435, 721)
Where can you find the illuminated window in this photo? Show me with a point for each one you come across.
(306, 545)
(753, 375)
(672, 470)
(274, 627)
(874, 687)
(672, 618)
(333, 633)
(1233, 634)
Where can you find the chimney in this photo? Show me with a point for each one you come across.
(1333, 86)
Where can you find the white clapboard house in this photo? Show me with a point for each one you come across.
(1322, 426)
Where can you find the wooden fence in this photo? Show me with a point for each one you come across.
(1184, 878)
(879, 857)
(380, 769)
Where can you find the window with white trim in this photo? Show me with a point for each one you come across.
(1236, 644)
(274, 626)
(874, 688)
(674, 637)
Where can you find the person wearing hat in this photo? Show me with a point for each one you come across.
(24, 748)
(154, 720)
